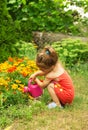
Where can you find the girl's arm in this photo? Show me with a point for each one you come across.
(44, 83)
(38, 73)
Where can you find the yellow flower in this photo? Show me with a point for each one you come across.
(22, 65)
(21, 85)
(18, 81)
(3, 82)
(4, 66)
(30, 96)
(20, 89)
(14, 86)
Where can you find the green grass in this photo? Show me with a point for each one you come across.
(36, 115)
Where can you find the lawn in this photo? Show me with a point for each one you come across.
(36, 115)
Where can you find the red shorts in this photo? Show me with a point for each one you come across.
(65, 96)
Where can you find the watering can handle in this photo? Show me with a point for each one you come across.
(29, 82)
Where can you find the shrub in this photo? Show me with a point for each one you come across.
(8, 33)
(72, 51)
(7, 50)
(26, 49)
(11, 31)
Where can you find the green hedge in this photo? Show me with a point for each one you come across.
(72, 51)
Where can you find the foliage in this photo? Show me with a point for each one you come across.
(19, 48)
(26, 49)
(44, 15)
(81, 3)
(7, 50)
(23, 30)
(85, 22)
(72, 52)
(11, 31)
(8, 33)
(7, 27)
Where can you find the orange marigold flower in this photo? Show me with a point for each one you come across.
(24, 74)
(10, 59)
(11, 69)
(20, 60)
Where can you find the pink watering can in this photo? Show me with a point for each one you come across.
(33, 89)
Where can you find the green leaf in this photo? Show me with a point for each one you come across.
(24, 2)
(12, 1)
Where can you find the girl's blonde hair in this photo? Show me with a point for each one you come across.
(46, 58)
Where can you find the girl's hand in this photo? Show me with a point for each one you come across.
(33, 77)
(38, 73)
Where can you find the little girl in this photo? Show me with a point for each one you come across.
(57, 80)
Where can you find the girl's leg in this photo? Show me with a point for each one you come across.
(52, 93)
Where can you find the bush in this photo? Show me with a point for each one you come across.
(72, 51)
(8, 33)
(26, 49)
(11, 31)
(7, 50)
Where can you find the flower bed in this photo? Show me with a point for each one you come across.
(14, 74)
